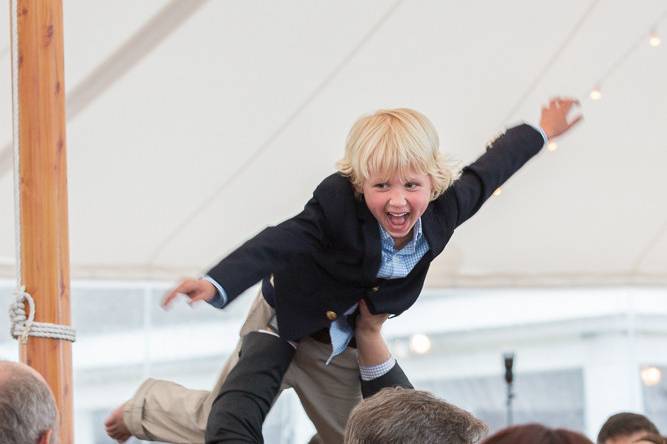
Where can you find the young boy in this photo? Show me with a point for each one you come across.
(369, 232)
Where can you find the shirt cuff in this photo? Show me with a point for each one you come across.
(220, 299)
(375, 371)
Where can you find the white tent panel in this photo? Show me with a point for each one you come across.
(194, 125)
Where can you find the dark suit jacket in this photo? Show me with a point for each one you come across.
(245, 398)
(393, 378)
(247, 394)
(327, 258)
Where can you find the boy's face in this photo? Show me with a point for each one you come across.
(397, 202)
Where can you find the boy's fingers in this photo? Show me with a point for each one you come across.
(575, 121)
(570, 103)
(561, 103)
(198, 296)
(183, 288)
(167, 300)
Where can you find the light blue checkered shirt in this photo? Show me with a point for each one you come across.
(395, 264)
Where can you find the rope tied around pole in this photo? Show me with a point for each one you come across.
(24, 325)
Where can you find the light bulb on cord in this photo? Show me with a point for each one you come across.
(420, 344)
(498, 191)
(651, 376)
(654, 39)
(552, 146)
(596, 94)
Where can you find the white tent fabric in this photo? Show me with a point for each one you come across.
(194, 124)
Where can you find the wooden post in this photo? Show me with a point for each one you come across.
(43, 193)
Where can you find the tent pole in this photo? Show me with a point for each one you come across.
(44, 239)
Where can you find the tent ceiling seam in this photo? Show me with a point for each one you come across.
(630, 50)
(119, 63)
(552, 61)
(256, 154)
(650, 246)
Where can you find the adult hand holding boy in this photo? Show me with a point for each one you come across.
(372, 348)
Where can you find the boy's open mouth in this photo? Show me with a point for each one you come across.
(398, 221)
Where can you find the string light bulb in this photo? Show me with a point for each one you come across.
(654, 39)
(596, 94)
(420, 344)
(498, 191)
(651, 376)
(552, 146)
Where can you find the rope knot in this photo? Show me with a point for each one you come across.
(23, 324)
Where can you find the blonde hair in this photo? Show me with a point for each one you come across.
(394, 141)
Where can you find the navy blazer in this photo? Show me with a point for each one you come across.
(327, 257)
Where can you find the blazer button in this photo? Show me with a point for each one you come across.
(375, 289)
(331, 315)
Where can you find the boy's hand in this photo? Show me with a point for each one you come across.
(195, 289)
(368, 323)
(554, 120)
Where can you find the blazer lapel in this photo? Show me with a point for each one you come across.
(372, 246)
(433, 231)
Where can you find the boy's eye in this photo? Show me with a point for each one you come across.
(411, 185)
(381, 186)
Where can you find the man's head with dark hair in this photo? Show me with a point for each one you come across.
(626, 428)
(536, 434)
(651, 439)
(28, 412)
(401, 415)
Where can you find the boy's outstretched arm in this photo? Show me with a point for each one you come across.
(503, 157)
(261, 255)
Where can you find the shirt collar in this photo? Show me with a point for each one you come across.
(409, 248)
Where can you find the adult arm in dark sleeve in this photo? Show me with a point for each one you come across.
(393, 378)
(239, 410)
(374, 356)
(247, 394)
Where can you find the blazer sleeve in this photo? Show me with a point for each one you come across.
(273, 248)
(505, 156)
(393, 378)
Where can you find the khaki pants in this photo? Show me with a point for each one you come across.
(165, 411)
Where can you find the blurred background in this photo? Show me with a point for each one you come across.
(194, 124)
